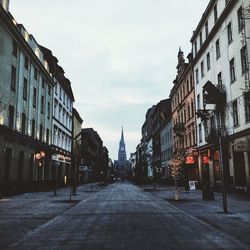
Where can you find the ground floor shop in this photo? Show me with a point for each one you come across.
(239, 161)
(61, 168)
(25, 163)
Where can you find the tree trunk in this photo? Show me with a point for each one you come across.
(176, 190)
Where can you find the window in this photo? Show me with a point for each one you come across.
(217, 45)
(247, 106)
(14, 49)
(189, 111)
(195, 48)
(34, 97)
(49, 90)
(206, 29)
(215, 13)
(197, 76)
(64, 97)
(26, 62)
(33, 126)
(11, 117)
(187, 87)
(232, 71)
(202, 69)
(241, 22)
(201, 40)
(244, 64)
(25, 88)
(43, 83)
(35, 73)
(48, 115)
(47, 135)
(60, 112)
(41, 132)
(198, 102)
(192, 109)
(63, 118)
(60, 93)
(23, 123)
(219, 80)
(42, 104)
(235, 114)
(200, 133)
(13, 78)
(56, 89)
(208, 62)
(229, 33)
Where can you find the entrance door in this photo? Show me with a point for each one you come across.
(7, 164)
(239, 169)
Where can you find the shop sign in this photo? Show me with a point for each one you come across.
(242, 144)
(205, 160)
(67, 159)
(60, 158)
(192, 185)
(190, 160)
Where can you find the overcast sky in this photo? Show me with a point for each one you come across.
(120, 55)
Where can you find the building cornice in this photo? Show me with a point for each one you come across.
(212, 33)
(6, 19)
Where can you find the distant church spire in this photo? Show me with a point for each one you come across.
(122, 137)
(122, 157)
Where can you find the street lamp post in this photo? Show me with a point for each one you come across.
(214, 95)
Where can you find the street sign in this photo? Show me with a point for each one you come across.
(192, 185)
(242, 144)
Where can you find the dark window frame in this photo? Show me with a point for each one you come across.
(13, 78)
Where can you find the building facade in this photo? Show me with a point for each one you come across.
(160, 115)
(26, 99)
(76, 142)
(91, 155)
(220, 47)
(183, 114)
(166, 146)
(62, 120)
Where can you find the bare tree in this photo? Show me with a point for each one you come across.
(175, 169)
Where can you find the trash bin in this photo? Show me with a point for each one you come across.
(208, 193)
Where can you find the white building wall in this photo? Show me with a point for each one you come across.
(234, 90)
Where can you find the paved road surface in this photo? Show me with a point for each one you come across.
(123, 216)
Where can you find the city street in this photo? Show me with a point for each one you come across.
(119, 216)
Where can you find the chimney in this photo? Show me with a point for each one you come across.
(5, 4)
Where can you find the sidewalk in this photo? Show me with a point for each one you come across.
(236, 223)
(21, 214)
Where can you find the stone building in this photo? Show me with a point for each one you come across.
(76, 141)
(26, 103)
(62, 119)
(221, 46)
(183, 115)
(91, 155)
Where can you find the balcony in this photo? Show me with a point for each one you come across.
(179, 129)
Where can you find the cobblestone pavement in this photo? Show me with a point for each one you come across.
(119, 216)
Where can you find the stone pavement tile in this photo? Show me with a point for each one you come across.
(123, 216)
